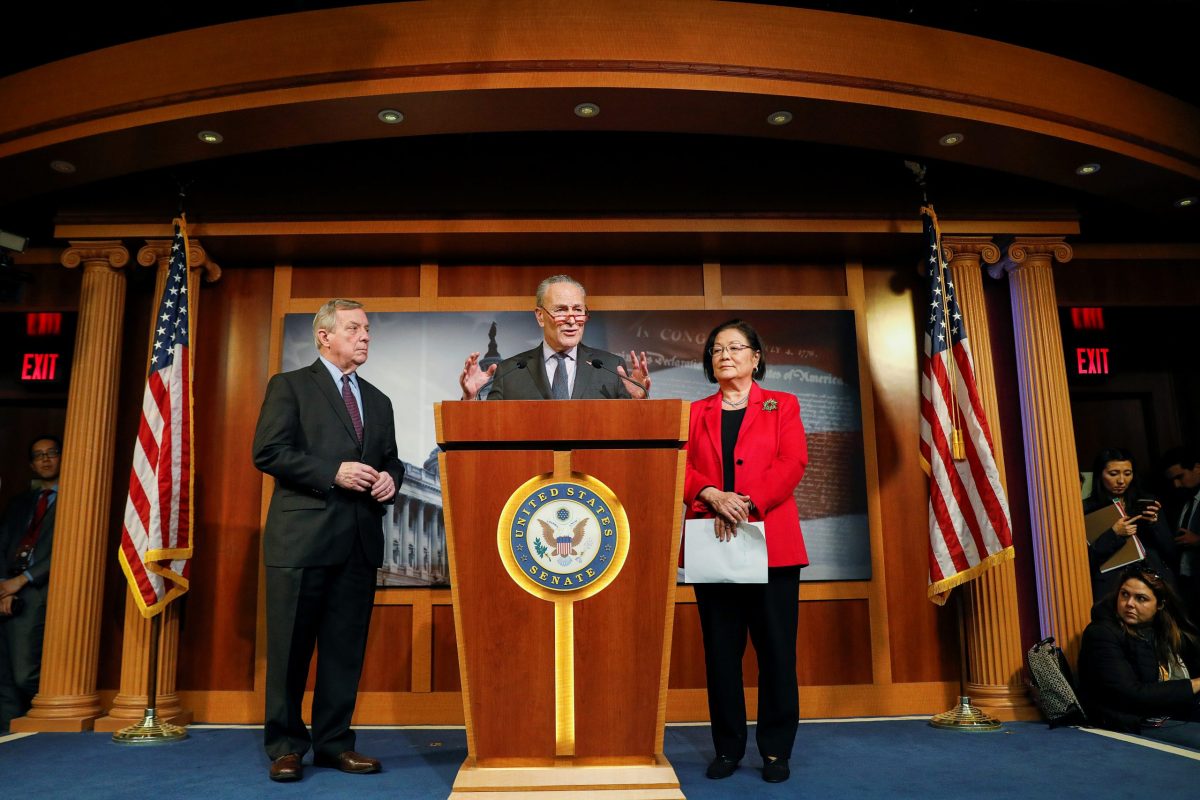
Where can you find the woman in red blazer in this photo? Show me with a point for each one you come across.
(746, 455)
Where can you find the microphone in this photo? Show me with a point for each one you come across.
(599, 364)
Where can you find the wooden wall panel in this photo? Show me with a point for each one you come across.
(687, 649)
(668, 280)
(833, 647)
(923, 638)
(217, 630)
(772, 280)
(390, 644)
(353, 282)
(445, 651)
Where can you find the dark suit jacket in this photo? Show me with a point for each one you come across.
(304, 434)
(771, 454)
(523, 377)
(16, 521)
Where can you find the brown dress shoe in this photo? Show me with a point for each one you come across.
(349, 761)
(287, 768)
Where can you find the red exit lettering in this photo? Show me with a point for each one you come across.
(1092, 360)
(1087, 319)
(43, 323)
(39, 366)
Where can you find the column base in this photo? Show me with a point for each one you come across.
(70, 714)
(1005, 703)
(618, 782)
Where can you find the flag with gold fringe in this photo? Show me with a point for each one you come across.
(969, 522)
(156, 538)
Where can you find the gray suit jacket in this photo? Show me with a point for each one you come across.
(16, 520)
(304, 434)
(523, 377)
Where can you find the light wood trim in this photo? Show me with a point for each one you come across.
(613, 225)
(831, 702)
(809, 591)
(789, 302)
(713, 297)
(429, 288)
(881, 651)
(281, 298)
(422, 642)
(307, 305)
(465, 695)
(672, 588)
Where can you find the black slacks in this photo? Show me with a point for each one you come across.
(768, 612)
(329, 607)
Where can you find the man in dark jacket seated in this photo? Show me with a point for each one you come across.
(1139, 665)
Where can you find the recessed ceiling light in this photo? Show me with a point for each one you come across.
(951, 139)
(210, 137)
(65, 167)
(1087, 169)
(391, 116)
(1185, 202)
(587, 110)
(779, 118)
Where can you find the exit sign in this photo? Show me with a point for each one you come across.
(1091, 360)
(39, 367)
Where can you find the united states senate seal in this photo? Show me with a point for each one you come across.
(559, 537)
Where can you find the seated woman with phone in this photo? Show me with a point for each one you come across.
(1114, 484)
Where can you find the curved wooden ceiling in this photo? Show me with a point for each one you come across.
(676, 66)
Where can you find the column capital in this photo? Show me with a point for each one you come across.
(158, 251)
(1027, 250)
(95, 253)
(971, 248)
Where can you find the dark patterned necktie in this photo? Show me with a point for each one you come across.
(352, 407)
(558, 389)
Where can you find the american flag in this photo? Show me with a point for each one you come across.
(156, 538)
(969, 529)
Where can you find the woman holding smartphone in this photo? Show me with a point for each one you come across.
(1114, 483)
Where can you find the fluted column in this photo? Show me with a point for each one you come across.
(993, 629)
(67, 699)
(1055, 509)
(129, 706)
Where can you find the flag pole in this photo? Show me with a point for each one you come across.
(964, 716)
(151, 730)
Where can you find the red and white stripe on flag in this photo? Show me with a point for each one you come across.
(156, 537)
(969, 522)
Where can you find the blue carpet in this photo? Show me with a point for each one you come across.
(877, 759)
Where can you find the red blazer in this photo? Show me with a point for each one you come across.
(771, 454)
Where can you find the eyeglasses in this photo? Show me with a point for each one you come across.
(734, 350)
(562, 316)
(38, 455)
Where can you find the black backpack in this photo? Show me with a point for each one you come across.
(1053, 684)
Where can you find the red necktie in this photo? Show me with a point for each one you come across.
(352, 407)
(29, 540)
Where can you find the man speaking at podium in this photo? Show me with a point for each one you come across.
(562, 367)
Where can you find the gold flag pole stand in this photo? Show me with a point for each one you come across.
(964, 716)
(150, 730)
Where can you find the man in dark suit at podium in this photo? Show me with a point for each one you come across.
(329, 440)
(561, 367)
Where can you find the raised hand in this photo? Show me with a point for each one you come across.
(473, 379)
(640, 372)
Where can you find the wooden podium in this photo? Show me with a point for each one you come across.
(563, 615)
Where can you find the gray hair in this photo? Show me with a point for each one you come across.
(326, 316)
(553, 279)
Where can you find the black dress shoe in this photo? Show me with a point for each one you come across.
(776, 770)
(721, 767)
(348, 761)
(287, 768)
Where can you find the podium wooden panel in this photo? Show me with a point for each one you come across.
(563, 698)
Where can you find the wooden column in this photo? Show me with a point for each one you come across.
(993, 629)
(1055, 507)
(129, 706)
(67, 699)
